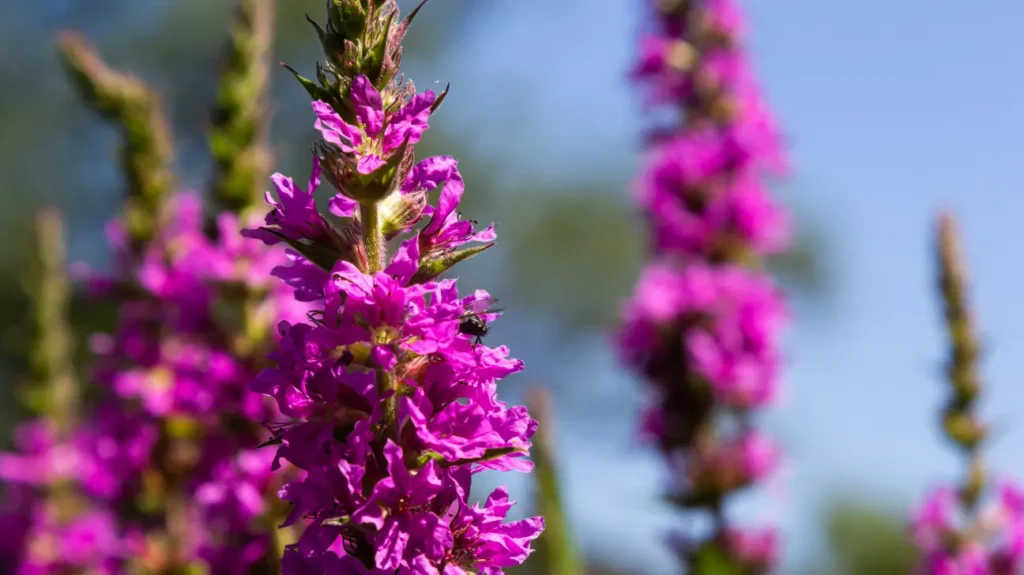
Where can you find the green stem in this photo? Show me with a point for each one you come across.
(373, 243)
(555, 549)
(386, 385)
(373, 239)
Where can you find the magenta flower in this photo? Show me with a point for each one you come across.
(990, 543)
(173, 383)
(445, 231)
(294, 215)
(702, 327)
(448, 406)
(378, 134)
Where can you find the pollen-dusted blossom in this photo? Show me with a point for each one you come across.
(703, 325)
(391, 405)
(989, 543)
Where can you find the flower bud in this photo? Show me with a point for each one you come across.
(342, 171)
(399, 212)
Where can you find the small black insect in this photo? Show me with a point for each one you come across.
(275, 440)
(473, 322)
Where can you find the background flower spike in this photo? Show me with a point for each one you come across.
(239, 130)
(147, 149)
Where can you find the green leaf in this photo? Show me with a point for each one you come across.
(430, 269)
(555, 548)
(323, 257)
(315, 92)
(489, 455)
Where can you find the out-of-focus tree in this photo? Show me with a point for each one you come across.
(864, 539)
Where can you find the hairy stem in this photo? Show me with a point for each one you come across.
(385, 387)
(373, 242)
(373, 239)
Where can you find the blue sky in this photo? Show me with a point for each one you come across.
(894, 110)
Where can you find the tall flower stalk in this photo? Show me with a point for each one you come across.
(163, 461)
(703, 325)
(390, 394)
(956, 528)
(46, 506)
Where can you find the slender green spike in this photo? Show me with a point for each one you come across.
(54, 390)
(147, 151)
(960, 418)
(415, 11)
(440, 98)
(238, 136)
(315, 92)
(555, 550)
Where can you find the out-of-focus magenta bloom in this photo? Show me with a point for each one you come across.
(992, 543)
(722, 321)
(730, 465)
(703, 326)
(175, 356)
(89, 543)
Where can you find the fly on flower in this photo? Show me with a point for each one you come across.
(474, 321)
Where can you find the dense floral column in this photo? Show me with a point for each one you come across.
(391, 394)
(157, 471)
(703, 326)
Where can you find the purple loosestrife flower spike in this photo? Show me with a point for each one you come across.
(160, 471)
(391, 401)
(164, 463)
(960, 530)
(703, 326)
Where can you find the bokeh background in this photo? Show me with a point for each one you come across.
(891, 109)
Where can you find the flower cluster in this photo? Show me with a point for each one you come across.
(389, 391)
(173, 434)
(988, 543)
(392, 398)
(703, 325)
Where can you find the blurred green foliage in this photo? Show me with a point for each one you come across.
(865, 539)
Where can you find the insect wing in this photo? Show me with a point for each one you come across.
(480, 306)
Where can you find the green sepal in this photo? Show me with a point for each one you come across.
(323, 257)
(315, 92)
(489, 455)
(432, 268)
